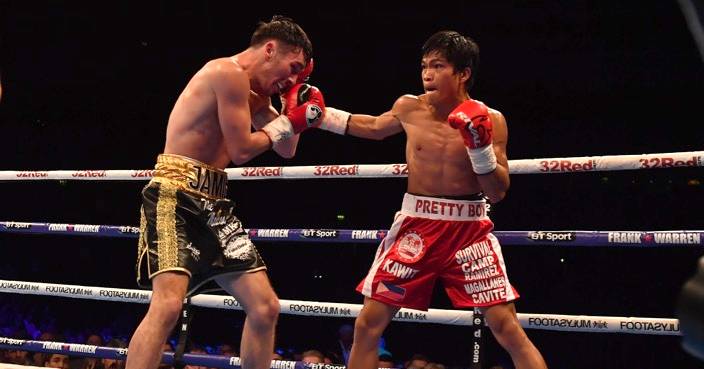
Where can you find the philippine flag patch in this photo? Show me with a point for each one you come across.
(391, 291)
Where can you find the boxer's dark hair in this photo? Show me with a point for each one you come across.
(283, 29)
(460, 51)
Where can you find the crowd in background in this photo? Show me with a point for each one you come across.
(20, 325)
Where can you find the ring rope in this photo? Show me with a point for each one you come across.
(521, 166)
(75, 349)
(683, 238)
(553, 322)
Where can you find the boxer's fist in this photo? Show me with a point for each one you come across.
(302, 108)
(471, 118)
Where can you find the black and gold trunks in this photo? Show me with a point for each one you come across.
(187, 225)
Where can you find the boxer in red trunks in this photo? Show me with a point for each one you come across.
(456, 155)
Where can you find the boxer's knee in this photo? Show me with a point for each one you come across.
(165, 310)
(168, 292)
(372, 321)
(264, 315)
(505, 327)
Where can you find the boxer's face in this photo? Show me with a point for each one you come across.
(440, 80)
(282, 65)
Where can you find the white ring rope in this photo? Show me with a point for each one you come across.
(581, 323)
(522, 166)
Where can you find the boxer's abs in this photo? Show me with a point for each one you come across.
(440, 171)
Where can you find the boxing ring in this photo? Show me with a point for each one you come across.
(558, 238)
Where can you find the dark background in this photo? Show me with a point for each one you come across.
(90, 86)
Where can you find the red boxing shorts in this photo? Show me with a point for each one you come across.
(435, 238)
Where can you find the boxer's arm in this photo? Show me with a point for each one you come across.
(374, 127)
(496, 183)
(369, 126)
(286, 148)
(231, 88)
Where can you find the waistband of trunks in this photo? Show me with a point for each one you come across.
(443, 209)
(191, 175)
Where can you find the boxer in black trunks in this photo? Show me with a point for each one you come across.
(199, 235)
(188, 233)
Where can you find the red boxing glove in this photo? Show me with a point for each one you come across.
(472, 119)
(305, 73)
(303, 108)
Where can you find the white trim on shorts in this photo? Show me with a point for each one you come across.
(381, 253)
(443, 209)
(496, 246)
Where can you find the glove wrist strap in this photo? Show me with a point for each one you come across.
(279, 129)
(335, 121)
(483, 159)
